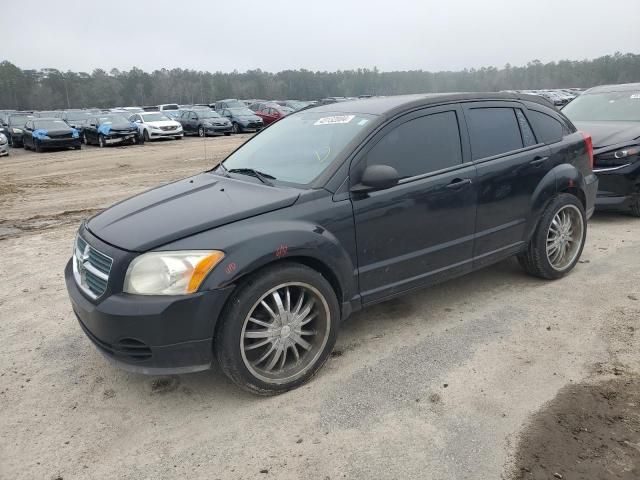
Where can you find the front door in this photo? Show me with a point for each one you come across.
(421, 230)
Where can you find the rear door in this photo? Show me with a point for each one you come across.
(510, 163)
(421, 230)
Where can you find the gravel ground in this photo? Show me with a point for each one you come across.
(442, 383)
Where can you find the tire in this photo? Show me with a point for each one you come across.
(239, 355)
(236, 128)
(539, 258)
(178, 138)
(145, 136)
(201, 132)
(37, 147)
(25, 146)
(226, 134)
(78, 147)
(84, 139)
(635, 208)
(101, 142)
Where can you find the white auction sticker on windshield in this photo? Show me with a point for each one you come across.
(335, 119)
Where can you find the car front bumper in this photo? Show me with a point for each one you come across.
(218, 129)
(619, 188)
(59, 142)
(150, 334)
(115, 138)
(166, 133)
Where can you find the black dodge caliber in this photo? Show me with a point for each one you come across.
(611, 115)
(331, 209)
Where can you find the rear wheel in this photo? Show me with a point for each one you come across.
(557, 243)
(635, 208)
(278, 330)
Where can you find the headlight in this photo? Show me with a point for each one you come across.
(170, 273)
(3, 139)
(621, 157)
(626, 152)
(16, 130)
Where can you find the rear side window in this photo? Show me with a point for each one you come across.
(493, 131)
(421, 145)
(547, 128)
(528, 138)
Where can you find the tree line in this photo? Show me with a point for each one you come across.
(49, 88)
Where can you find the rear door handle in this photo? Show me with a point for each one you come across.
(537, 161)
(459, 182)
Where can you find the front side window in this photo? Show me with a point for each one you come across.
(422, 145)
(300, 147)
(493, 131)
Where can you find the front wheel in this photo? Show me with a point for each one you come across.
(36, 146)
(145, 136)
(101, 141)
(84, 139)
(236, 128)
(201, 132)
(557, 243)
(278, 329)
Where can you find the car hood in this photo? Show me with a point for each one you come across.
(164, 123)
(184, 208)
(248, 117)
(610, 133)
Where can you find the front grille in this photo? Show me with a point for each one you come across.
(61, 135)
(91, 268)
(169, 128)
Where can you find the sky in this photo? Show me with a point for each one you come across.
(329, 35)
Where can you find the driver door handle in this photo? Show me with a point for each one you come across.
(459, 183)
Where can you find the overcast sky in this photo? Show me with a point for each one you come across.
(317, 35)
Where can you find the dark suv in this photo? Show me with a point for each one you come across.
(331, 209)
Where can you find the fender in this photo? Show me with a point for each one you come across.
(257, 242)
(560, 178)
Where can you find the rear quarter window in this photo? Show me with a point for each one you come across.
(547, 128)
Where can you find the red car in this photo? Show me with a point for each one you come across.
(270, 112)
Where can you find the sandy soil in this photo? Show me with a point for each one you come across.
(450, 382)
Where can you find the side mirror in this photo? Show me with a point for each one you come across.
(377, 177)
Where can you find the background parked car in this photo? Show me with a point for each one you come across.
(611, 115)
(110, 129)
(168, 106)
(228, 103)
(41, 133)
(76, 119)
(203, 122)
(294, 105)
(270, 112)
(16, 127)
(4, 145)
(243, 119)
(154, 125)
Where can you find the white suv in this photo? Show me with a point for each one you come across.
(153, 125)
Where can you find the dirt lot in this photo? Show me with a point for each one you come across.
(494, 375)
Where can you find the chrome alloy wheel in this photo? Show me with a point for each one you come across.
(565, 236)
(285, 332)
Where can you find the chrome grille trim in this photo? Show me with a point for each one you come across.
(91, 268)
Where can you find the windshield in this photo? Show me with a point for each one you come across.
(207, 114)
(242, 111)
(605, 107)
(77, 116)
(234, 104)
(19, 120)
(50, 124)
(154, 117)
(170, 107)
(299, 147)
(113, 119)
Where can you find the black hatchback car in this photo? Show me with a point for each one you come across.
(332, 209)
(41, 133)
(611, 115)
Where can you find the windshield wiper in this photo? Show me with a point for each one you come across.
(254, 173)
